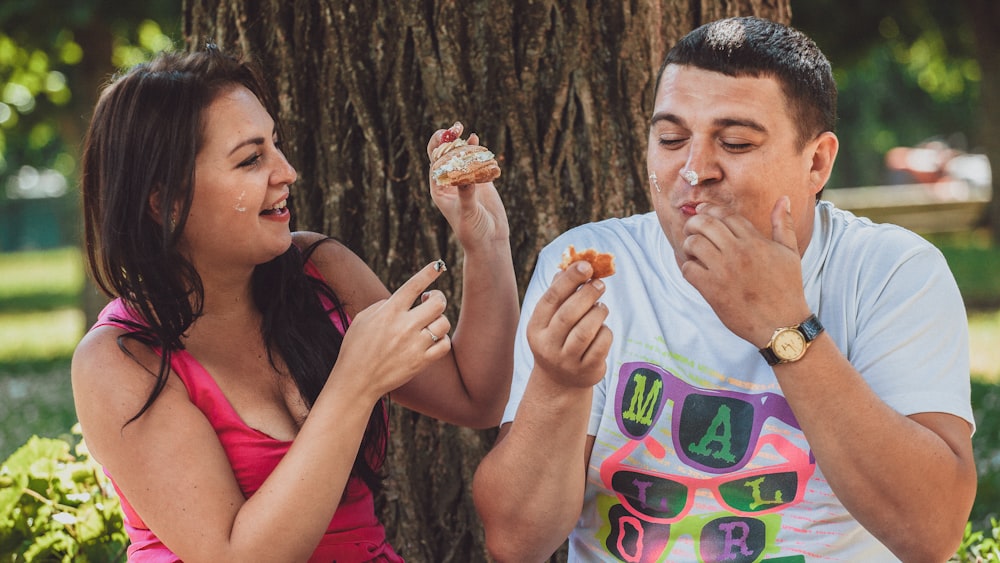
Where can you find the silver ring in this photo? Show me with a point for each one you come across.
(434, 337)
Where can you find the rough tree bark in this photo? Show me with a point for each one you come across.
(561, 91)
(985, 18)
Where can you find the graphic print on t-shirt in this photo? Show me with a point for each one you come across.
(730, 474)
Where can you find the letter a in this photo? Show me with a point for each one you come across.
(719, 432)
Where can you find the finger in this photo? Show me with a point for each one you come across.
(600, 345)
(432, 306)
(581, 335)
(576, 308)
(710, 221)
(564, 284)
(783, 225)
(440, 326)
(468, 202)
(473, 139)
(699, 248)
(408, 293)
(435, 139)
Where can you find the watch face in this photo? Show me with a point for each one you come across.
(789, 345)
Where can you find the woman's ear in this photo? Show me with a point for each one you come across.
(156, 209)
(824, 153)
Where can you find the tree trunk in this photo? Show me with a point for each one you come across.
(560, 91)
(984, 16)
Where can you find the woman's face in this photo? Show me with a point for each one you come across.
(238, 215)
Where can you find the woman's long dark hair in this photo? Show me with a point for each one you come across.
(137, 183)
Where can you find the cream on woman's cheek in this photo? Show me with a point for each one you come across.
(239, 203)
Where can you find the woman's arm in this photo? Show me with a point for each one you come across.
(170, 464)
(468, 387)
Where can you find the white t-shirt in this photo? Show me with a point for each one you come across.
(697, 455)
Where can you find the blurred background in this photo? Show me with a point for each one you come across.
(912, 151)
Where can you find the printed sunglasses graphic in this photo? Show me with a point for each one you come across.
(713, 430)
(665, 499)
(716, 537)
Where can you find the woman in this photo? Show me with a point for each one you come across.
(234, 388)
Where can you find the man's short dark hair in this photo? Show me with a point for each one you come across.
(755, 47)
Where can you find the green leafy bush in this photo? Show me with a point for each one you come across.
(57, 505)
(979, 545)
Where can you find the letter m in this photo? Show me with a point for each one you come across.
(643, 406)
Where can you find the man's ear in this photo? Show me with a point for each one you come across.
(824, 152)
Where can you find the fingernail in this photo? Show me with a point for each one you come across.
(456, 125)
(598, 285)
(440, 266)
(582, 266)
(425, 296)
(788, 205)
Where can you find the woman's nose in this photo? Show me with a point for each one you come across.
(284, 173)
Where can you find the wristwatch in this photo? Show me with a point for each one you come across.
(789, 343)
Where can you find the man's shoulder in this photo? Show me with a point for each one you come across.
(853, 248)
(842, 231)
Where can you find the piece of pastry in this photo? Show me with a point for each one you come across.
(456, 163)
(603, 263)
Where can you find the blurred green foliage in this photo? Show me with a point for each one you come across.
(906, 71)
(48, 50)
(54, 57)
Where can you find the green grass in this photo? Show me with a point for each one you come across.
(50, 279)
(40, 325)
(40, 316)
(984, 345)
(975, 262)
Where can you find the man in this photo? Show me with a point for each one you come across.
(777, 380)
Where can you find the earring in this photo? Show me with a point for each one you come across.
(690, 176)
(652, 178)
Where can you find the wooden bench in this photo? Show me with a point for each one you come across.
(924, 208)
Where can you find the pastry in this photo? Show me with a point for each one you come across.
(456, 163)
(603, 263)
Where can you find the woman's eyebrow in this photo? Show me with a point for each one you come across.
(254, 141)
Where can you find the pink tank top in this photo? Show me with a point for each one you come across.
(354, 533)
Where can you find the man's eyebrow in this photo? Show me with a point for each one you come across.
(721, 123)
(254, 141)
(665, 116)
(734, 122)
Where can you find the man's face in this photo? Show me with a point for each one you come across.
(738, 136)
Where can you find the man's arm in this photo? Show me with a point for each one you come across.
(887, 469)
(529, 488)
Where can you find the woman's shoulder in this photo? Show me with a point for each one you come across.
(325, 252)
(107, 359)
(355, 284)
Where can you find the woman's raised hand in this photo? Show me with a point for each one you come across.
(474, 211)
(393, 340)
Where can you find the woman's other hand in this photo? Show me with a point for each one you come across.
(474, 211)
